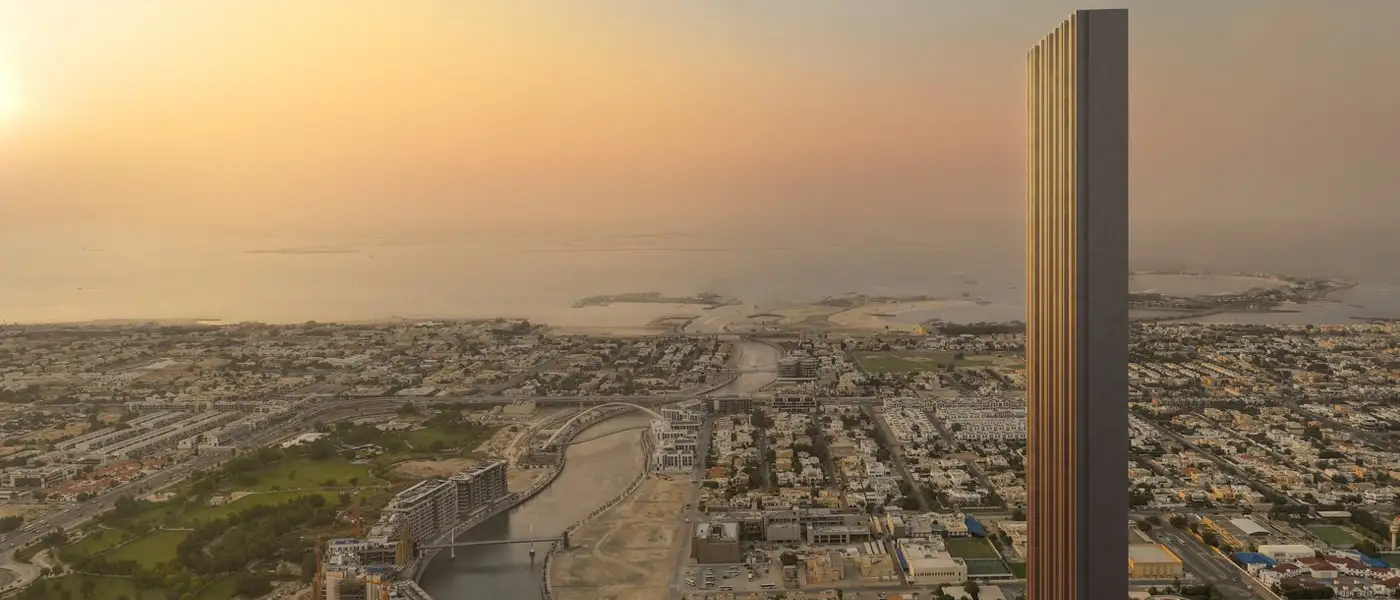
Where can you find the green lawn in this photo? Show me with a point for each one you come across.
(970, 548)
(196, 515)
(911, 361)
(98, 542)
(1390, 558)
(466, 438)
(219, 590)
(104, 588)
(1336, 536)
(1019, 570)
(151, 549)
(302, 473)
(987, 566)
(154, 516)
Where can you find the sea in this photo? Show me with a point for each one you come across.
(539, 275)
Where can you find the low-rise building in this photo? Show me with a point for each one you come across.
(1152, 561)
(716, 542)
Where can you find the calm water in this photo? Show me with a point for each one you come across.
(597, 470)
(537, 275)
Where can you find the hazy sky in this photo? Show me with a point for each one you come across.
(337, 115)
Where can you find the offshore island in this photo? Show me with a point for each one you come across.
(706, 299)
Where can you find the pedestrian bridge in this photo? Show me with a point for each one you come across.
(564, 540)
(568, 425)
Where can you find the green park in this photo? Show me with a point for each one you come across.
(237, 531)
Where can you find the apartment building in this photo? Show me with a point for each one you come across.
(794, 403)
(730, 405)
(37, 477)
(479, 487)
(428, 508)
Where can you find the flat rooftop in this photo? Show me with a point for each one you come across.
(1151, 553)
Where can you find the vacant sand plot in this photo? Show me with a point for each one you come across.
(879, 315)
(426, 469)
(23, 510)
(627, 553)
(519, 480)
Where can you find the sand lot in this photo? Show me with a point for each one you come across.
(24, 510)
(628, 553)
(878, 315)
(519, 480)
(426, 469)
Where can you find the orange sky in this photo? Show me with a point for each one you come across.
(252, 114)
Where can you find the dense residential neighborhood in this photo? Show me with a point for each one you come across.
(1262, 458)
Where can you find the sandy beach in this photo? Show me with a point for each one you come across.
(903, 316)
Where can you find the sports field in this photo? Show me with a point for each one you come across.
(1336, 536)
(969, 548)
(985, 566)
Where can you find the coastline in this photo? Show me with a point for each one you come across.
(1333, 301)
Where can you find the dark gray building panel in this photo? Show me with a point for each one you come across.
(1102, 204)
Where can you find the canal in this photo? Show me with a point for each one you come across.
(598, 469)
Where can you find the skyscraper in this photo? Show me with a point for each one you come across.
(1077, 310)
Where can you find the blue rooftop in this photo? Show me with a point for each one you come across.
(1372, 562)
(974, 527)
(1254, 558)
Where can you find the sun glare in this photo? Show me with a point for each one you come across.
(9, 100)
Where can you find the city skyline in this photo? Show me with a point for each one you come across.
(1077, 309)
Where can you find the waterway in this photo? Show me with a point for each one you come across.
(758, 363)
(597, 470)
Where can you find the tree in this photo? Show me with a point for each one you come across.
(1018, 514)
(973, 590)
(252, 585)
(1154, 519)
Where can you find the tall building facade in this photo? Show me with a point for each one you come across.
(1077, 310)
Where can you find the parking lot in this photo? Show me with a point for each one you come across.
(735, 578)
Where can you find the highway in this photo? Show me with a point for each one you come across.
(1211, 566)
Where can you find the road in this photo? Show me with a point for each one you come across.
(1215, 458)
(1380, 440)
(74, 515)
(758, 363)
(1210, 566)
(897, 456)
(757, 360)
(952, 443)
